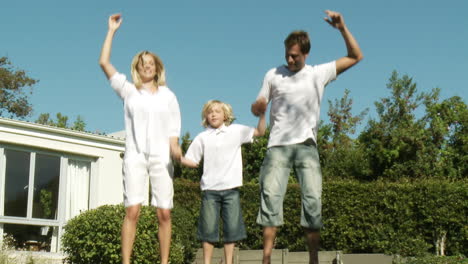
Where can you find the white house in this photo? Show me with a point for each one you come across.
(49, 175)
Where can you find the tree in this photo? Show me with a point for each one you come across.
(446, 152)
(79, 124)
(62, 121)
(394, 142)
(340, 155)
(13, 93)
(343, 122)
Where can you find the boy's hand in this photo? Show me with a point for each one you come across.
(259, 107)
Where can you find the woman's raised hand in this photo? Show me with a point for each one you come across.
(114, 21)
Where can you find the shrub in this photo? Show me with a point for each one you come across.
(94, 237)
(378, 217)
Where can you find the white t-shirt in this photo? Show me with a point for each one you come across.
(295, 101)
(221, 149)
(150, 118)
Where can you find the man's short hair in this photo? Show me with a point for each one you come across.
(300, 38)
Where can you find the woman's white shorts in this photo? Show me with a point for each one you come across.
(137, 168)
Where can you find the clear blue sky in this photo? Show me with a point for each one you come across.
(216, 49)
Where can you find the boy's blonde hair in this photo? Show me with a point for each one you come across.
(227, 109)
(159, 78)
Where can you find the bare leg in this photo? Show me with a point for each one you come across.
(164, 234)
(207, 252)
(229, 252)
(269, 234)
(132, 213)
(313, 240)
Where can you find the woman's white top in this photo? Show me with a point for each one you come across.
(150, 118)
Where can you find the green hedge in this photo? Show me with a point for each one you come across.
(392, 218)
(397, 218)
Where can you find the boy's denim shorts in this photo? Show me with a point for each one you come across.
(274, 175)
(226, 202)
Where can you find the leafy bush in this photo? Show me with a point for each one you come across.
(395, 218)
(94, 237)
(185, 217)
(378, 217)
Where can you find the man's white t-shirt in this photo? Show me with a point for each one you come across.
(295, 101)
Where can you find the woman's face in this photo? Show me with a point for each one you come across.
(147, 68)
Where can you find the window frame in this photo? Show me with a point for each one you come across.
(60, 220)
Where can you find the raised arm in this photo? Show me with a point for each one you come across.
(336, 20)
(104, 61)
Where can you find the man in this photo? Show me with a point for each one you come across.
(295, 91)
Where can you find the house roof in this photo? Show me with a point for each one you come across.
(111, 138)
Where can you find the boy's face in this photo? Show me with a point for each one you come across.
(215, 116)
(295, 58)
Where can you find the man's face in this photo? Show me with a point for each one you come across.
(295, 58)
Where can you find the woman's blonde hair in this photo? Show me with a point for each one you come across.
(227, 109)
(159, 78)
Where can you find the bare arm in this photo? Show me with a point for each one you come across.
(104, 61)
(261, 126)
(188, 163)
(336, 20)
(259, 107)
(176, 152)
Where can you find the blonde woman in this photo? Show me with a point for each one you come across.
(152, 126)
(220, 146)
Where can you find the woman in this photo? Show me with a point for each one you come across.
(152, 127)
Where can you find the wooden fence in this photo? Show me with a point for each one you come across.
(279, 256)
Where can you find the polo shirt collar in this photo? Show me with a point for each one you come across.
(222, 128)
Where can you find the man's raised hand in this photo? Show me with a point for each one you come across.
(335, 19)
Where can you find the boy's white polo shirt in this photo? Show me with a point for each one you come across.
(150, 118)
(295, 101)
(222, 155)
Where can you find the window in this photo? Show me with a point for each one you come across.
(39, 191)
(17, 180)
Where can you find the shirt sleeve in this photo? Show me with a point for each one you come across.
(195, 150)
(327, 72)
(174, 110)
(121, 86)
(266, 87)
(245, 133)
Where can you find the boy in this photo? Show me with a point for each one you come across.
(220, 146)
